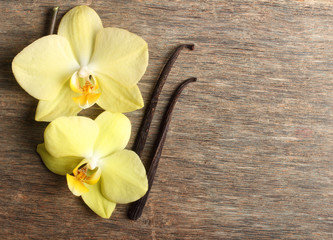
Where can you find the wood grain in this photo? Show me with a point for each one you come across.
(249, 150)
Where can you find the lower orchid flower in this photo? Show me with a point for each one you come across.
(92, 156)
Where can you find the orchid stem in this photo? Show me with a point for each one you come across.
(54, 18)
(136, 209)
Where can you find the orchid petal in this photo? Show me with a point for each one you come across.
(80, 26)
(62, 105)
(114, 134)
(59, 166)
(71, 136)
(42, 67)
(97, 202)
(76, 186)
(121, 55)
(123, 177)
(117, 98)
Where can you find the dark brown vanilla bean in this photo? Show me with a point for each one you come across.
(54, 18)
(136, 208)
(141, 137)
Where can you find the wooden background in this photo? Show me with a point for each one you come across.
(249, 151)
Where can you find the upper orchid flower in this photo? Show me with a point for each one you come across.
(91, 154)
(83, 64)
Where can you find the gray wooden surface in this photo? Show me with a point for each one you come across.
(249, 151)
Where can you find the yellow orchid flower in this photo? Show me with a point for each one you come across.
(83, 64)
(92, 156)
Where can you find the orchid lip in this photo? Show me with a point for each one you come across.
(83, 174)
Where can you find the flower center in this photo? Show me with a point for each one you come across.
(84, 83)
(83, 174)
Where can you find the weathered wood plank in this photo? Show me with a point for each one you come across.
(249, 150)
